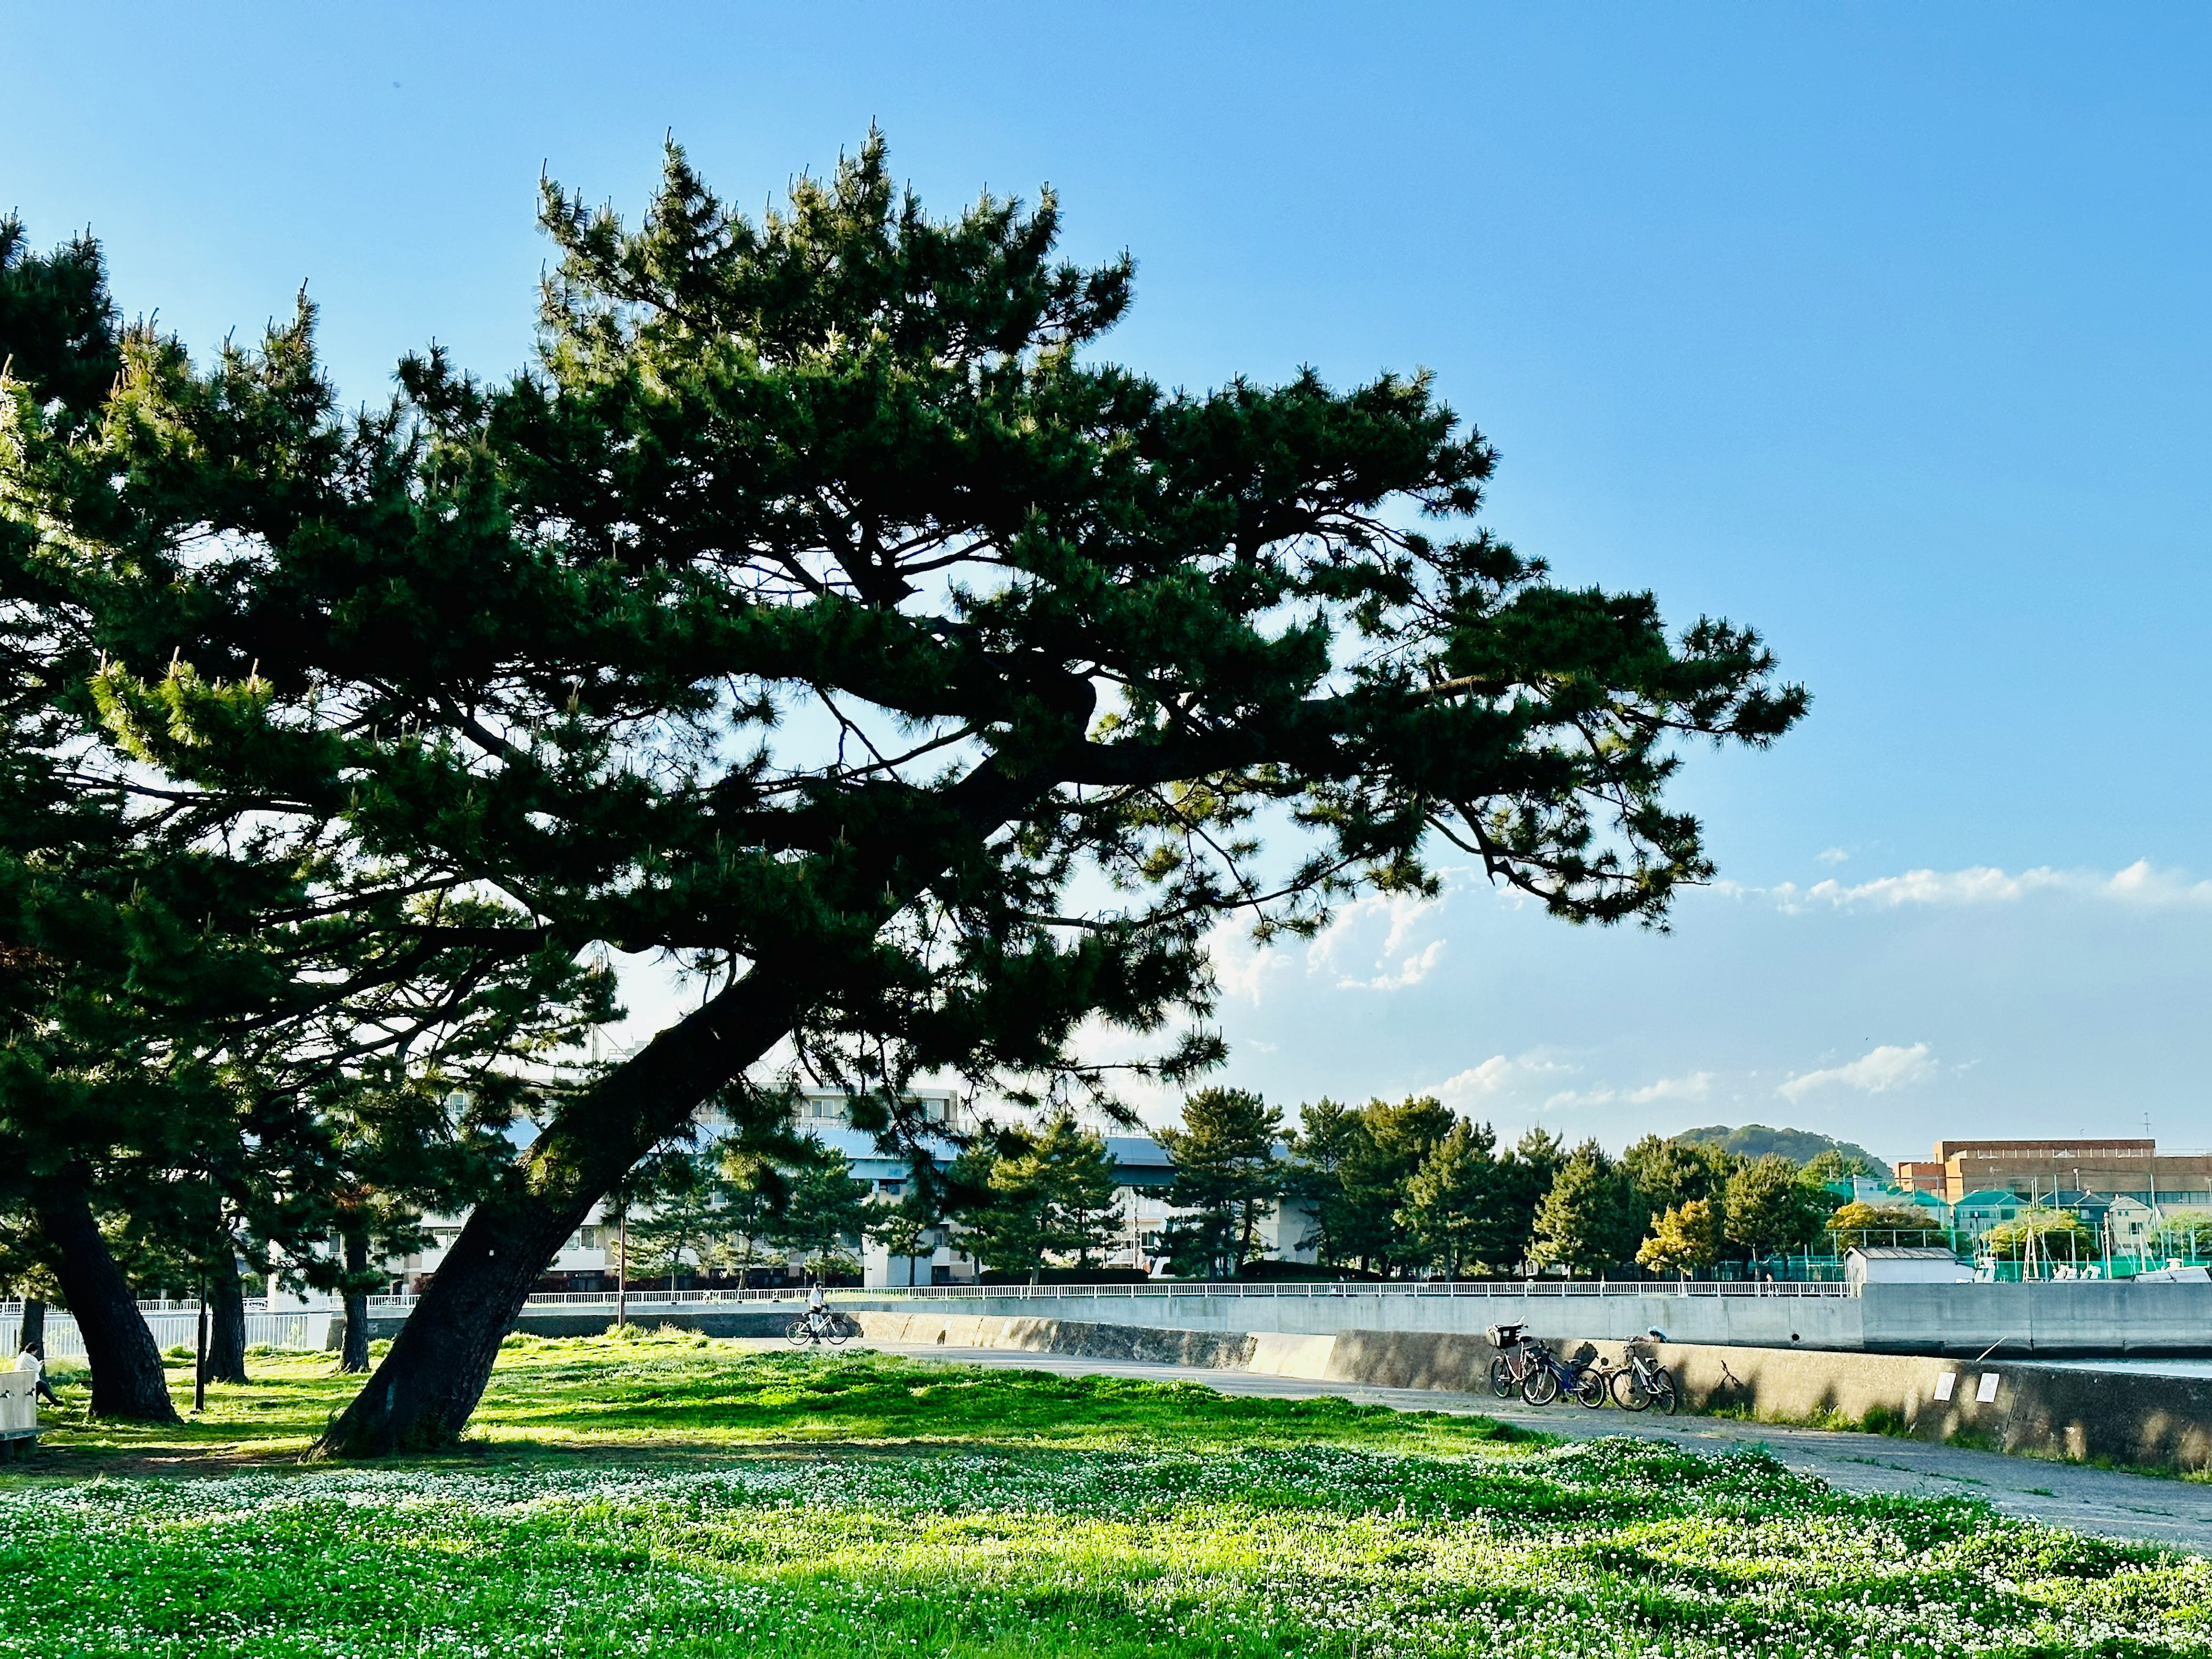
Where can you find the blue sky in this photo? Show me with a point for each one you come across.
(1882, 327)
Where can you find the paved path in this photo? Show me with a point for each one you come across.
(2177, 1513)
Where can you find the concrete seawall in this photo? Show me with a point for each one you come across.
(2129, 1418)
(2160, 1422)
(2077, 1318)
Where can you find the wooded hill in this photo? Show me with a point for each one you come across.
(1756, 1140)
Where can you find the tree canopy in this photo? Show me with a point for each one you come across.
(823, 609)
(1227, 1177)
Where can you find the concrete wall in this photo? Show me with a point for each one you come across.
(1812, 1322)
(2063, 1316)
(2162, 1422)
(2084, 1318)
(2011, 1322)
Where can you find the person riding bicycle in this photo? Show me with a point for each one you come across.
(817, 1305)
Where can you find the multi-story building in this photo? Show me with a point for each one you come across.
(2034, 1169)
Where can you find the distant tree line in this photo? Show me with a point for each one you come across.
(1405, 1187)
(1390, 1189)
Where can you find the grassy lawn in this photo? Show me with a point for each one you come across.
(672, 1394)
(670, 1496)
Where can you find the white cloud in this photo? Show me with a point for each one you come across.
(1875, 1073)
(1241, 968)
(1410, 971)
(1834, 855)
(1535, 1081)
(1350, 951)
(1694, 1086)
(2141, 882)
(1372, 944)
(1501, 1078)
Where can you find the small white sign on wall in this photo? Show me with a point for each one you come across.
(1988, 1391)
(1945, 1383)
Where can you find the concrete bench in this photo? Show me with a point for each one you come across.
(19, 1405)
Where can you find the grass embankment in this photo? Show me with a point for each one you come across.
(859, 1506)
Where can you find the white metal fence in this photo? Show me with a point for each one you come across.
(645, 1300)
(173, 1328)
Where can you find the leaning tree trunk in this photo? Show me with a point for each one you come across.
(437, 1367)
(32, 1337)
(126, 1367)
(354, 1356)
(226, 1338)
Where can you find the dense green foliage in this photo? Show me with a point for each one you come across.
(1362, 1175)
(205, 1053)
(1773, 1208)
(1042, 1516)
(1684, 1238)
(1408, 1187)
(1588, 1221)
(1032, 1198)
(1226, 1176)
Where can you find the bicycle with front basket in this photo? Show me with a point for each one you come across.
(1640, 1381)
(1515, 1360)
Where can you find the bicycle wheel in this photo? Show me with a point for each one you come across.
(1663, 1391)
(1501, 1378)
(1590, 1389)
(1541, 1386)
(797, 1333)
(1629, 1392)
(836, 1330)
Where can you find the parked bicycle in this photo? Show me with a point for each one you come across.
(1640, 1381)
(1550, 1377)
(1514, 1361)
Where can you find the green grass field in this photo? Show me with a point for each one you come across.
(669, 1495)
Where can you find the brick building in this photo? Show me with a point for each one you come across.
(2130, 1167)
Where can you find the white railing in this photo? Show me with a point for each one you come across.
(642, 1301)
(174, 1328)
(637, 1299)
(1476, 1287)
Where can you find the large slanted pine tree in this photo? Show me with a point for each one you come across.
(823, 609)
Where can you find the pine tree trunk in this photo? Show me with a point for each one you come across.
(126, 1367)
(438, 1366)
(354, 1356)
(33, 1336)
(227, 1339)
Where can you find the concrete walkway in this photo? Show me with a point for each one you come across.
(2145, 1508)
